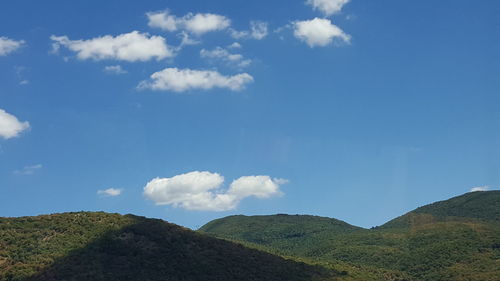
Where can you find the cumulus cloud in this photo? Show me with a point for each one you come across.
(28, 170)
(10, 126)
(114, 69)
(180, 80)
(110, 192)
(258, 186)
(225, 56)
(258, 30)
(8, 46)
(133, 46)
(327, 7)
(480, 188)
(318, 32)
(201, 191)
(194, 23)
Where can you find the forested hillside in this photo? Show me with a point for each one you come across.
(455, 239)
(100, 246)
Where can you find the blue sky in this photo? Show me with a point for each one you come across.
(359, 110)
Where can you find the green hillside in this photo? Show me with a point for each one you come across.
(456, 239)
(100, 246)
(272, 230)
(480, 206)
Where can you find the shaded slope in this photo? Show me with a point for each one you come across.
(456, 239)
(305, 237)
(100, 246)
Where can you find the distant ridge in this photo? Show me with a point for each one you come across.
(479, 205)
(454, 240)
(262, 229)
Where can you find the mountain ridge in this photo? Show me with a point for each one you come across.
(445, 240)
(455, 239)
(478, 205)
(100, 246)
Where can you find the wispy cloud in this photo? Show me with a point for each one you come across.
(480, 188)
(114, 69)
(234, 45)
(8, 46)
(224, 55)
(20, 70)
(110, 192)
(28, 170)
(258, 30)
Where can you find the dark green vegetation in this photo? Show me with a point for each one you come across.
(99, 246)
(456, 239)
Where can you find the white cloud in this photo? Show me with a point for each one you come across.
(258, 30)
(10, 126)
(480, 188)
(235, 45)
(202, 23)
(187, 40)
(114, 69)
(202, 190)
(28, 170)
(258, 186)
(110, 192)
(133, 46)
(327, 7)
(319, 32)
(8, 46)
(238, 34)
(180, 80)
(194, 23)
(226, 56)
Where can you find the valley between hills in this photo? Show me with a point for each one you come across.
(456, 239)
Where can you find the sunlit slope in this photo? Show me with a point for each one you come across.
(274, 229)
(100, 246)
(456, 239)
(473, 206)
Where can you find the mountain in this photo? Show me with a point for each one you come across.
(473, 206)
(269, 230)
(455, 239)
(100, 246)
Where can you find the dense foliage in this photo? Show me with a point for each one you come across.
(456, 239)
(477, 206)
(270, 229)
(100, 246)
